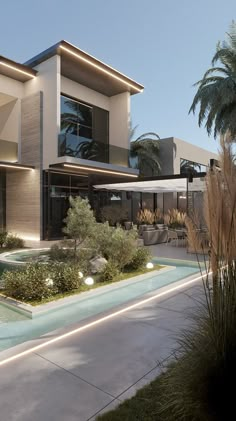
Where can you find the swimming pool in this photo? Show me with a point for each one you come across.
(16, 328)
(16, 259)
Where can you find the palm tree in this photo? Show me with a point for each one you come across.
(216, 93)
(144, 152)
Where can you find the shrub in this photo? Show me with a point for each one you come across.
(30, 283)
(14, 242)
(199, 386)
(158, 216)
(122, 246)
(110, 272)
(140, 259)
(101, 240)
(145, 216)
(114, 214)
(60, 254)
(3, 238)
(175, 218)
(66, 277)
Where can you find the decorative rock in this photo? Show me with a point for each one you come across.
(97, 264)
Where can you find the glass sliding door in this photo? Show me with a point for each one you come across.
(58, 187)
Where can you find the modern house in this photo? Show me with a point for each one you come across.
(64, 123)
(64, 131)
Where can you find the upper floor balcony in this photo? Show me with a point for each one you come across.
(92, 150)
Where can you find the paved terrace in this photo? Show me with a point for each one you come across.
(94, 370)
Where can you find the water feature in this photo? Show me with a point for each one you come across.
(15, 329)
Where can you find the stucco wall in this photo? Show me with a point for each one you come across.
(11, 92)
(9, 121)
(190, 152)
(11, 87)
(119, 120)
(80, 92)
(166, 156)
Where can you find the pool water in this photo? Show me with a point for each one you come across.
(16, 329)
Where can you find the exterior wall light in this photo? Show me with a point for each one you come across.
(16, 69)
(16, 167)
(99, 170)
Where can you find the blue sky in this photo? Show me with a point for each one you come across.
(164, 44)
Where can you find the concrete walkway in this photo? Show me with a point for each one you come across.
(94, 370)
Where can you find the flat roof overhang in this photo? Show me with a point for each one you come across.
(85, 69)
(17, 71)
(84, 166)
(15, 166)
(166, 184)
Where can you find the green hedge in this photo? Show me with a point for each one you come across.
(39, 281)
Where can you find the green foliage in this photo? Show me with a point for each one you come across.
(145, 151)
(38, 281)
(110, 272)
(144, 406)
(66, 277)
(29, 283)
(3, 238)
(14, 242)
(140, 258)
(60, 254)
(80, 221)
(115, 244)
(122, 247)
(199, 386)
(101, 240)
(216, 92)
(114, 214)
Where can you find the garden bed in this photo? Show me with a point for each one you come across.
(34, 308)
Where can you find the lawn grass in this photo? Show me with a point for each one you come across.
(83, 287)
(144, 406)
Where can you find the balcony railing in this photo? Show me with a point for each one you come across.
(80, 147)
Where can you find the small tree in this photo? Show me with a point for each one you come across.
(80, 221)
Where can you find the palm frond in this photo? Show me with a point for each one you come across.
(216, 94)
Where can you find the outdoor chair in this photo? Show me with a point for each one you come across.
(182, 236)
(172, 236)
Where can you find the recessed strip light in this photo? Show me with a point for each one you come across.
(79, 56)
(98, 170)
(102, 319)
(16, 167)
(16, 69)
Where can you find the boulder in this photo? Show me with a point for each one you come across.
(97, 264)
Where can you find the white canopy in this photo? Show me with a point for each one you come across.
(156, 186)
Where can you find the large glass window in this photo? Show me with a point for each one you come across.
(84, 131)
(76, 118)
(58, 187)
